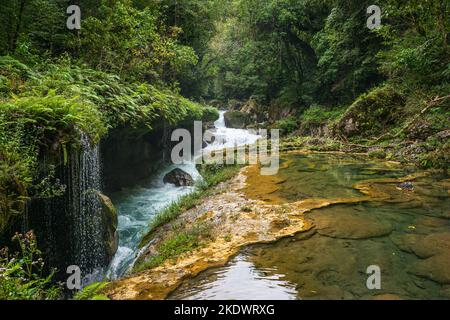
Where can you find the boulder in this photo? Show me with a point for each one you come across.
(276, 112)
(110, 223)
(434, 268)
(179, 178)
(443, 134)
(236, 119)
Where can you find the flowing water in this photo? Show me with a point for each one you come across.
(70, 227)
(407, 236)
(87, 219)
(137, 206)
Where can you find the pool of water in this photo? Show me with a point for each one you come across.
(407, 236)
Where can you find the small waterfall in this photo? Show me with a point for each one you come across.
(89, 251)
(70, 228)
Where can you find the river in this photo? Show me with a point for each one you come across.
(138, 205)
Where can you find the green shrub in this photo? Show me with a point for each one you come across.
(286, 126)
(22, 274)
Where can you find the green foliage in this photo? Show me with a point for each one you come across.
(16, 166)
(372, 113)
(316, 114)
(346, 50)
(92, 292)
(45, 118)
(180, 242)
(22, 274)
(130, 42)
(417, 35)
(287, 125)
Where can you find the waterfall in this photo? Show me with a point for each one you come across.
(89, 251)
(69, 227)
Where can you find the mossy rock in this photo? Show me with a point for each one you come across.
(372, 113)
(110, 223)
(236, 119)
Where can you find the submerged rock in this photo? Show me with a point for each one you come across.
(406, 186)
(350, 226)
(387, 296)
(179, 178)
(434, 244)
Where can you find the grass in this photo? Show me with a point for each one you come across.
(177, 244)
(92, 292)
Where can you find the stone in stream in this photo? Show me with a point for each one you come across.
(179, 178)
(434, 250)
(408, 186)
(434, 268)
(345, 225)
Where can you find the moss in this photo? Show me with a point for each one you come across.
(377, 153)
(286, 126)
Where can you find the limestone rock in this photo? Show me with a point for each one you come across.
(434, 268)
(350, 226)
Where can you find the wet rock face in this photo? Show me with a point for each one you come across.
(110, 223)
(179, 178)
